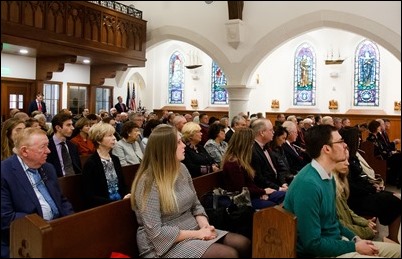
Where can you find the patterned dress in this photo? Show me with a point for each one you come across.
(157, 232)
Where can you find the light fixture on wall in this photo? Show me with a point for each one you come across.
(194, 103)
(333, 60)
(193, 60)
(333, 104)
(275, 104)
(397, 105)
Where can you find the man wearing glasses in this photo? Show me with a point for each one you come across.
(311, 197)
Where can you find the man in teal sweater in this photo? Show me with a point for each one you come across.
(311, 197)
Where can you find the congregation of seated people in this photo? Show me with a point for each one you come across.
(251, 152)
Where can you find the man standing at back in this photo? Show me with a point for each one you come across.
(64, 154)
(37, 105)
(120, 106)
(29, 184)
(311, 197)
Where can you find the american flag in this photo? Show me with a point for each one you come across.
(132, 105)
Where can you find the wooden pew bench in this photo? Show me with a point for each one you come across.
(274, 229)
(112, 227)
(379, 165)
(72, 187)
(93, 233)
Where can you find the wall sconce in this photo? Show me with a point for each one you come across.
(275, 104)
(194, 103)
(333, 104)
(397, 105)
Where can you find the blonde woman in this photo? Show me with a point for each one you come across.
(102, 173)
(197, 160)
(364, 228)
(172, 222)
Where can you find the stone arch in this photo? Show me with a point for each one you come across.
(240, 73)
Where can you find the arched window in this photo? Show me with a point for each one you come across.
(304, 76)
(219, 95)
(366, 74)
(176, 78)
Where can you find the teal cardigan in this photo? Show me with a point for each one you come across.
(312, 200)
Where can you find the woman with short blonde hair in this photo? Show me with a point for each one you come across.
(102, 173)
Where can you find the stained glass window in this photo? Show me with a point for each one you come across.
(219, 94)
(176, 78)
(304, 92)
(366, 74)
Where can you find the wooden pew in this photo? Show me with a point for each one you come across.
(93, 233)
(274, 229)
(274, 233)
(112, 227)
(72, 187)
(129, 174)
(207, 182)
(379, 165)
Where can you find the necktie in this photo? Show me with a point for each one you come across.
(294, 149)
(38, 181)
(269, 160)
(68, 164)
(39, 106)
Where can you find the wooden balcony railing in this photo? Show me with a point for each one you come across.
(76, 28)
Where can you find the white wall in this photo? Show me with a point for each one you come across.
(276, 75)
(14, 66)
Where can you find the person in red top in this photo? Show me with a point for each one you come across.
(81, 140)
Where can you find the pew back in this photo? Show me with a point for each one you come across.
(72, 187)
(207, 182)
(129, 174)
(379, 165)
(93, 233)
(274, 233)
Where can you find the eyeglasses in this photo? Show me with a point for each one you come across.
(341, 141)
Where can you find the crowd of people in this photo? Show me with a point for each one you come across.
(309, 165)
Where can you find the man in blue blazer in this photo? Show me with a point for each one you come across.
(21, 194)
(37, 105)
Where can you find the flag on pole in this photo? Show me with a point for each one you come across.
(128, 95)
(133, 106)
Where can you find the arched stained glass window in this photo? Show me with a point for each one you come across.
(219, 94)
(366, 74)
(176, 78)
(304, 76)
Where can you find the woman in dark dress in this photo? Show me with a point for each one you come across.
(366, 199)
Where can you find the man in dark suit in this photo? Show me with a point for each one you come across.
(63, 128)
(25, 177)
(120, 106)
(237, 123)
(266, 175)
(37, 105)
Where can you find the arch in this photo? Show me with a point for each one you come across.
(240, 73)
(325, 18)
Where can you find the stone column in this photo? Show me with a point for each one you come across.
(238, 99)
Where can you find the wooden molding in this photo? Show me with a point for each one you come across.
(45, 66)
(100, 72)
(365, 112)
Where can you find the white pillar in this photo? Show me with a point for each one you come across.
(238, 99)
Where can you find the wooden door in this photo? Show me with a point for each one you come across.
(15, 94)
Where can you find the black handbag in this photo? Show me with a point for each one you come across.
(229, 211)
